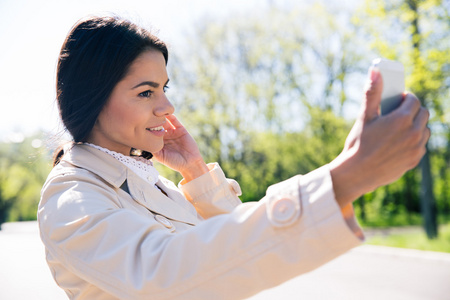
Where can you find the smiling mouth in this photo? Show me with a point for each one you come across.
(159, 128)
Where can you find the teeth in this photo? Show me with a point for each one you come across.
(156, 128)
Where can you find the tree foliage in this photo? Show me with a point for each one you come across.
(266, 99)
(24, 165)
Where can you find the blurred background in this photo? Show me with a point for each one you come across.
(269, 89)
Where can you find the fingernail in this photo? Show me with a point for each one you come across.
(374, 73)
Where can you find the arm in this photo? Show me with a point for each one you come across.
(250, 249)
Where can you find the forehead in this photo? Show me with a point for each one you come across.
(150, 63)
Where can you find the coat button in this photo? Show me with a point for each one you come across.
(165, 222)
(283, 210)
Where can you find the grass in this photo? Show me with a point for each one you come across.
(415, 240)
(393, 221)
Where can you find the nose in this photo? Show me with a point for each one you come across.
(164, 107)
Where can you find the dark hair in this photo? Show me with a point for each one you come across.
(95, 56)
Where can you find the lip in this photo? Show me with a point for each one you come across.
(156, 130)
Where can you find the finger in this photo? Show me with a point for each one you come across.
(169, 124)
(426, 136)
(174, 120)
(371, 104)
(422, 117)
(423, 144)
(410, 105)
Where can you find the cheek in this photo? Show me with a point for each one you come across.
(118, 118)
(125, 119)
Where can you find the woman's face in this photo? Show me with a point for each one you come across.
(134, 115)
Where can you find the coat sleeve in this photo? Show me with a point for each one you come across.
(296, 228)
(212, 193)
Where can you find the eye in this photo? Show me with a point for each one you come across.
(165, 88)
(146, 94)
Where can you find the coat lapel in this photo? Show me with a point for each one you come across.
(115, 173)
(175, 194)
(158, 203)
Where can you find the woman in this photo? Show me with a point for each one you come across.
(113, 228)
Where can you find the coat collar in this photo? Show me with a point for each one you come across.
(98, 162)
(174, 207)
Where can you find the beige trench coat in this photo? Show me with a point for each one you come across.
(109, 234)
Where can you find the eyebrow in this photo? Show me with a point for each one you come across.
(150, 83)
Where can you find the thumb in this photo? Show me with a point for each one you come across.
(371, 104)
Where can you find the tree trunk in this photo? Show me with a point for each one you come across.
(427, 202)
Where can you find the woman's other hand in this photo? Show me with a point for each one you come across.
(180, 151)
(379, 149)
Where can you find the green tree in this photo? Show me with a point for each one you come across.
(24, 165)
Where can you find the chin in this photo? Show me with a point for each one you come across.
(153, 149)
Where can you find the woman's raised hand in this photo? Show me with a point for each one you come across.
(379, 149)
(180, 151)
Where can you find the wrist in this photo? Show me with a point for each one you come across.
(195, 170)
(348, 177)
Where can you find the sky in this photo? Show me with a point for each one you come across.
(31, 35)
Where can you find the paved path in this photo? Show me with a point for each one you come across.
(372, 273)
(365, 273)
(23, 271)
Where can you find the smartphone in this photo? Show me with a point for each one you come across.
(393, 74)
